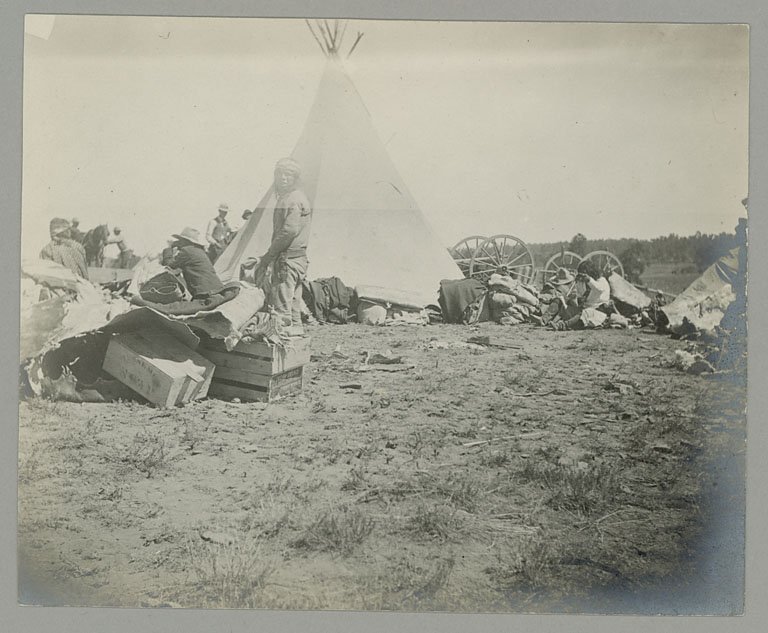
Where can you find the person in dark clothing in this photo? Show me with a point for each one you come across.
(188, 254)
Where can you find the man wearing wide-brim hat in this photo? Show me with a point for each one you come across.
(190, 257)
(63, 250)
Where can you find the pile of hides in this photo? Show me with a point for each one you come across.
(64, 339)
(463, 301)
(329, 300)
(511, 301)
(703, 304)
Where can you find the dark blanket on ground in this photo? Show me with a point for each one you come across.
(185, 308)
(329, 300)
(457, 294)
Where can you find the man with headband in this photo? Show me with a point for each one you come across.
(288, 251)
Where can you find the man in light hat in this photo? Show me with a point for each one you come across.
(63, 250)
(218, 233)
(288, 250)
(187, 253)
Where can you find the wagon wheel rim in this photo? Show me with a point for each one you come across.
(504, 254)
(462, 251)
(606, 262)
(564, 259)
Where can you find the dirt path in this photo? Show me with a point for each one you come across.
(556, 470)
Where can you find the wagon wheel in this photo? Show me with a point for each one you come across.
(564, 259)
(462, 252)
(503, 254)
(606, 262)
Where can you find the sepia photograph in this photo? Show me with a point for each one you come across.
(383, 315)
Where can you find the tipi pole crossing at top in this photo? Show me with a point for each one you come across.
(330, 38)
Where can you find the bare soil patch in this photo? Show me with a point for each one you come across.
(481, 479)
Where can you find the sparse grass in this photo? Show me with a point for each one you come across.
(230, 573)
(530, 563)
(526, 379)
(580, 490)
(495, 459)
(404, 581)
(463, 490)
(146, 453)
(436, 523)
(338, 530)
(28, 465)
(355, 481)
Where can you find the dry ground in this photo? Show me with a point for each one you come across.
(488, 479)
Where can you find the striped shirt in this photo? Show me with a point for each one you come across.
(69, 254)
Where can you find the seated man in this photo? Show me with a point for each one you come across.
(593, 302)
(188, 255)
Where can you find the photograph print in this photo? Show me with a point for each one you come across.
(383, 315)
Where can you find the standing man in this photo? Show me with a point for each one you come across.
(218, 233)
(74, 232)
(123, 259)
(288, 251)
(63, 250)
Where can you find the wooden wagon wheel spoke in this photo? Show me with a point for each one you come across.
(462, 252)
(564, 259)
(523, 254)
(500, 254)
(606, 262)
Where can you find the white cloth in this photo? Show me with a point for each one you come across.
(599, 292)
(592, 318)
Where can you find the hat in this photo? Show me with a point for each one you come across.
(563, 276)
(191, 235)
(117, 229)
(224, 207)
(288, 165)
(58, 226)
(247, 214)
(75, 221)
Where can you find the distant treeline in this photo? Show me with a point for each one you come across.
(699, 250)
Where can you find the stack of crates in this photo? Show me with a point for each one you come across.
(256, 371)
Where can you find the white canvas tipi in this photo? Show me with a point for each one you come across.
(366, 226)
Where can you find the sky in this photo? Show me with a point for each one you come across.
(538, 130)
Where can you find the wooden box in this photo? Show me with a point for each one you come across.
(257, 371)
(158, 367)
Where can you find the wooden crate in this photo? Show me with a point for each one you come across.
(257, 371)
(158, 367)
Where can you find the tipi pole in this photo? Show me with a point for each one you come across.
(317, 39)
(359, 35)
(328, 46)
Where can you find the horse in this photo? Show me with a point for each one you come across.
(94, 242)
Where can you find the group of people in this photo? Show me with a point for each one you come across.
(68, 246)
(190, 253)
(579, 301)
